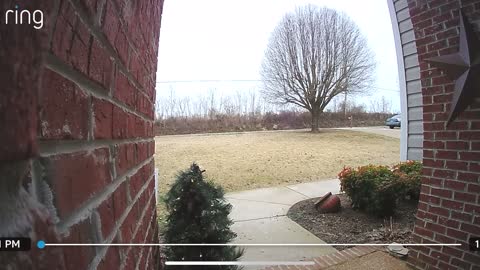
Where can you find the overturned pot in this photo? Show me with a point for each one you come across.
(328, 204)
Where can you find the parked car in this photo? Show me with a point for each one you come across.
(395, 121)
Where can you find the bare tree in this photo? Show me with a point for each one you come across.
(159, 109)
(386, 106)
(212, 104)
(375, 106)
(252, 103)
(229, 108)
(171, 103)
(203, 106)
(238, 102)
(184, 107)
(313, 55)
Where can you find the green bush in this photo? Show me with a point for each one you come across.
(410, 176)
(198, 213)
(370, 188)
(376, 189)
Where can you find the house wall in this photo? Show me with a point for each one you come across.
(449, 206)
(409, 78)
(77, 110)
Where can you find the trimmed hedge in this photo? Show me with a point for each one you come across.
(376, 189)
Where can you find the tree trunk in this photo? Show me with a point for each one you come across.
(314, 125)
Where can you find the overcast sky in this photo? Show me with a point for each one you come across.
(226, 40)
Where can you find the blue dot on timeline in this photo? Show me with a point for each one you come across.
(41, 244)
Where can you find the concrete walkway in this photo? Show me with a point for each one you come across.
(260, 217)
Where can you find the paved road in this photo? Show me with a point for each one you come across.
(385, 131)
(395, 133)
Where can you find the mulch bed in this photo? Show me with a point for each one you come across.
(353, 226)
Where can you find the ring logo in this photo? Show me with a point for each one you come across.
(17, 16)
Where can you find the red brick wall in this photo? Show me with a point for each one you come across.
(449, 207)
(78, 143)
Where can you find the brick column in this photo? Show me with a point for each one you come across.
(81, 124)
(449, 207)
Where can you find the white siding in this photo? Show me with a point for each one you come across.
(415, 113)
(405, 26)
(415, 141)
(415, 99)
(409, 77)
(414, 87)
(401, 4)
(409, 48)
(415, 153)
(407, 37)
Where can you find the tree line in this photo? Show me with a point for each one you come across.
(248, 103)
(244, 111)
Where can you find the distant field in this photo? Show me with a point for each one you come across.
(240, 161)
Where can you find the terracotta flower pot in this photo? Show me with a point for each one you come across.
(328, 204)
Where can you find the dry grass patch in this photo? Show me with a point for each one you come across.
(240, 161)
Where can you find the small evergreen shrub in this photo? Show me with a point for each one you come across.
(376, 189)
(198, 213)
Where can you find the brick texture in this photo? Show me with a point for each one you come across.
(449, 203)
(80, 115)
(330, 260)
